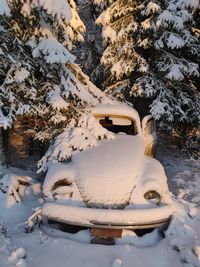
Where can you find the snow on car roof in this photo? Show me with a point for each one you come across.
(120, 109)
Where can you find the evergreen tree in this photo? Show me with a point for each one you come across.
(39, 78)
(152, 52)
(120, 29)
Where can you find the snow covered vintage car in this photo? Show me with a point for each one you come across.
(115, 185)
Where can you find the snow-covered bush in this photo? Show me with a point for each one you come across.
(34, 221)
(14, 187)
(152, 52)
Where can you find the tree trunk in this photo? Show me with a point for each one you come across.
(18, 143)
(21, 150)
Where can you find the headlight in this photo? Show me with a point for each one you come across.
(152, 196)
(62, 189)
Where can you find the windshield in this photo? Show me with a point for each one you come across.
(118, 124)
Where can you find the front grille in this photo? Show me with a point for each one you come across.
(106, 207)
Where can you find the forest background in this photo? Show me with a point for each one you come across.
(60, 58)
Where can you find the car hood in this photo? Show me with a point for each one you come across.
(107, 173)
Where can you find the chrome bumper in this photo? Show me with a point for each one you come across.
(108, 219)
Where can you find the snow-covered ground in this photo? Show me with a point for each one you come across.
(47, 247)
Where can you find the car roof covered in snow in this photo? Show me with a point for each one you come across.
(120, 109)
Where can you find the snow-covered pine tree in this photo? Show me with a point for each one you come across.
(173, 62)
(39, 78)
(120, 29)
(152, 47)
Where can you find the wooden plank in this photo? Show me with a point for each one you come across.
(117, 233)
